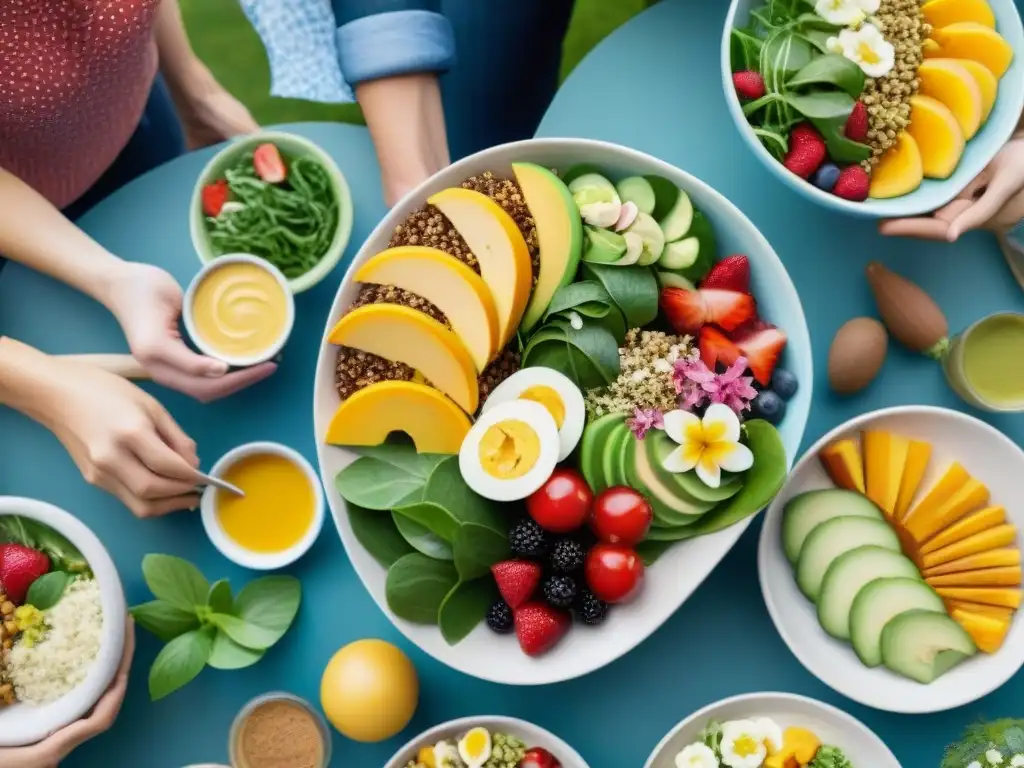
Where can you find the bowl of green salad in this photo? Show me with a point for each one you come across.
(277, 196)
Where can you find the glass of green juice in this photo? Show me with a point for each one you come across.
(985, 363)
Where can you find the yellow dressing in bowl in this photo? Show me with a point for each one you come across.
(240, 310)
(278, 507)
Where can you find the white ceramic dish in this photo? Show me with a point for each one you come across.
(831, 725)
(984, 452)
(260, 561)
(533, 735)
(681, 569)
(187, 311)
(23, 724)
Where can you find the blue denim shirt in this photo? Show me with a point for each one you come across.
(319, 49)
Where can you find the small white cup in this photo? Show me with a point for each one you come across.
(187, 310)
(260, 561)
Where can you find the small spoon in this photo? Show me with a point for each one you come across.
(224, 485)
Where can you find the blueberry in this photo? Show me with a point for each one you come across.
(784, 383)
(769, 406)
(826, 176)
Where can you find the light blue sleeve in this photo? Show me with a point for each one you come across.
(310, 58)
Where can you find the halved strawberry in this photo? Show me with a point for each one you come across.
(728, 309)
(214, 196)
(762, 349)
(685, 310)
(539, 627)
(517, 580)
(715, 347)
(19, 567)
(731, 274)
(269, 164)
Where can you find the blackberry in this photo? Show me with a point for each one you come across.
(527, 539)
(567, 556)
(591, 610)
(499, 617)
(559, 591)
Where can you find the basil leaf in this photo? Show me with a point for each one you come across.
(634, 290)
(46, 591)
(227, 654)
(831, 69)
(220, 600)
(175, 581)
(377, 533)
(416, 586)
(421, 538)
(431, 516)
(247, 635)
(163, 619)
(179, 662)
(477, 548)
(447, 489)
(270, 603)
(464, 607)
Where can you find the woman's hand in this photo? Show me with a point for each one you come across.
(209, 113)
(50, 752)
(147, 303)
(994, 200)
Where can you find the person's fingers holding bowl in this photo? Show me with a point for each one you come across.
(205, 389)
(934, 227)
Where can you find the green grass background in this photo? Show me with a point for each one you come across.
(224, 39)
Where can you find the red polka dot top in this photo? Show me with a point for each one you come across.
(74, 79)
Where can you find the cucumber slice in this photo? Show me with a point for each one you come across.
(581, 169)
(672, 280)
(924, 645)
(651, 234)
(665, 195)
(676, 223)
(681, 254)
(807, 511)
(700, 228)
(836, 537)
(634, 250)
(877, 603)
(603, 246)
(592, 188)
(847, 575)
(637, 190)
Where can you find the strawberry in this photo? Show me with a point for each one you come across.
(538, 757)
(214, 196)
(269, 165)
(762, 349)
(19, 567)
(857, 122)
(806, 151)
(748, 85)
(853, 184)
(731, 274)
(715, 347)
(539, 627)
(517, 580)
(687, 311)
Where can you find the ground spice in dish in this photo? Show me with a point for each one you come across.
(280, 734)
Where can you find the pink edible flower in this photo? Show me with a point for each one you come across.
(733, 388)
(693, 381)
(644, 420)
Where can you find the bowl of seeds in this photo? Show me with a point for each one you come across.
(877, 108)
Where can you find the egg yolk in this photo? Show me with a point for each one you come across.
(550, 399)
(509, 449)
(475, 743)
(745, 746)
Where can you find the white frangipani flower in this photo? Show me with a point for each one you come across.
(867, 48)
(707, 445)
(844, 13)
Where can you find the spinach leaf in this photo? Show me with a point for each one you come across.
(247, 635)
(829, 111)
(783, 54)
(421, 538)
(46, 591)
(589, 355)
(163, 619)
(464, 607)
(227, 654)
(416, 586)
(220, 599)
(270, 603)
(377, 533)
(175, 581)
(633, 289)
(179, 662)
(375, 484)
(745, 49)
(830, 69)
(590, 300)
(477, 548)
(574, 294)
(401, 454)
(447, 489)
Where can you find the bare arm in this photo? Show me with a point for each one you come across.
(179, 65)
(22, 376)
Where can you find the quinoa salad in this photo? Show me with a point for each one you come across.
(51, 615)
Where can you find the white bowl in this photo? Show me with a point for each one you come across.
(533, 735)
(989, 456)
(23, 724)
(260, 561)
(833, 726)
(682, 568)
(189, 318)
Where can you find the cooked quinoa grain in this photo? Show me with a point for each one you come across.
(645, 379)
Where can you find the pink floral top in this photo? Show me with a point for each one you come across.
(74, 79)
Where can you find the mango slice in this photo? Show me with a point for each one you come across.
(976, 522)
(1005, 597)
(948, 81)
(987, 84)
(998, 611)
(842, 462)
(899, 171)
(987, 632)
(1007, 576)
(971, 496)
(885, 456)
(930, 49)
(918, 455)
(952, 481)
(990, 558)
(938, 136)
(971, 40)
(993, 538)
(942, 13)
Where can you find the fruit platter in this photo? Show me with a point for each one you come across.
(540, 387)
(870, 99)
(903, 545)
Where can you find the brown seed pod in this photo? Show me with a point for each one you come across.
(857, 354)
(910, 314)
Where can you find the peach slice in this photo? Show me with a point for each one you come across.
(938, 136)
(970, 40)
(942, 13)
(899, 172)
(987, 632)
(987, 83)
(948, 81)
(930, 49)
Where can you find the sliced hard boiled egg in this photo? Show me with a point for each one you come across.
(475, 747)
(555, 392)
(510, 451)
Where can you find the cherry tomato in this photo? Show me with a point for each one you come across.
(538, 757)
(621, 516)
(614, 572)
(562, 504)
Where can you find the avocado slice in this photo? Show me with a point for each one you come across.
(670, 509)
(687, 484)
(611, 458)
(559, 235)
(700, 228)
(603, 246)
(637, 190)
(651, 234)
(592, 446)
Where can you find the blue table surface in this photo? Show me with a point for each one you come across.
(660, 75)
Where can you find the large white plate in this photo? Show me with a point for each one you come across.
(678, 572)
(989, 456)
(834, 727)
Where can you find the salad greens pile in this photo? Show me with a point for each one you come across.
(66, 561)
(205, 625)
(291, 224)
(996, 742)
(787, 43)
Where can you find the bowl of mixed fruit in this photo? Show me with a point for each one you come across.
(878, 108)
(556, 384)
